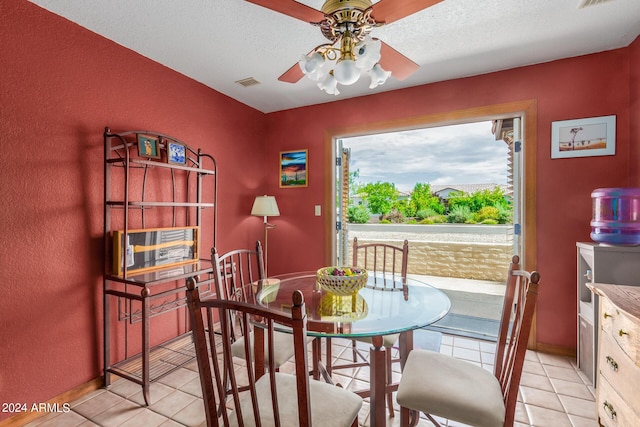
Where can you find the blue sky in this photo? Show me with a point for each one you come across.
(457, 154)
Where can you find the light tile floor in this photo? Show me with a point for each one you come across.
(553, 393)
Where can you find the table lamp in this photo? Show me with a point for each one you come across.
(265, 206)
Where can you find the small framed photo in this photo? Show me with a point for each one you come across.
(176, 152)
(594, 136)
(148, 146)
(293, 168)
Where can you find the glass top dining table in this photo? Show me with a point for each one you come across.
(375, 310)
(372, 311)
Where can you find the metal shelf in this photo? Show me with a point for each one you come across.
(161, 204)
(165, 358)
(130, 195)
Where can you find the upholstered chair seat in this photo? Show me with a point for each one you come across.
(451, 388)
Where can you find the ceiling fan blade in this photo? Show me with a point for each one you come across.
(387, 11)
(400, 66)
(292, 8)
(292, 75)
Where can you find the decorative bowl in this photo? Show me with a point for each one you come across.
(342, 280)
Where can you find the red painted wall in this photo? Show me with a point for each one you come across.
(587, 86)
(60, 86)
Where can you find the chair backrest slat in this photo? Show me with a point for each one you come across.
(389, 260)
(235, 275)
(513, 334)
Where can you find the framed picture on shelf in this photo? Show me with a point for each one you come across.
(293, 168)
(176, 153)
(594, 136)
(148, 146)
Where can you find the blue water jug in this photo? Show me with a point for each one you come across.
(616, 216)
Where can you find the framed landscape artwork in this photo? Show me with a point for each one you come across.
(583, 137)
(293, 168)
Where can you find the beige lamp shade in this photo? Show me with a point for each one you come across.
(265, 206)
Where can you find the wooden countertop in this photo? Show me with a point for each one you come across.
(625, 298)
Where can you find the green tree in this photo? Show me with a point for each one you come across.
(478, 200)
(380, 196)
(402, 206)
(422, 199)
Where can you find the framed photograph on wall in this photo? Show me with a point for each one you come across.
(176, 153)
(594, 136)
(293, 168)
(148, 146)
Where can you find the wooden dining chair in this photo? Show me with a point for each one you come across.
(441, 385)
(387, 266)
(275, 398)
(239, 275)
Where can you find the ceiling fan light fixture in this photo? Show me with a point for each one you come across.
(331, 6)
(367, 53)
(329, 84)
(346, 72)
(351, 50)
(312, 66)
(378, 76)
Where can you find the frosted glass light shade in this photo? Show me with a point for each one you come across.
(312, 66)
(346, 72)
(321, 66)
(265, 206)
(367, 53)
(378, 76)
(329, 85)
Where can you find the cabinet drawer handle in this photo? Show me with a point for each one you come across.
(612, 363)
(606, 315)
(621, 332)
(609, 408)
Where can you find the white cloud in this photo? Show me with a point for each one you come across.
(457, 154)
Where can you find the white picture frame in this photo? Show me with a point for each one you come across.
(588, 137)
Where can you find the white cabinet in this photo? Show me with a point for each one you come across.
(599, 263)
(618, 396)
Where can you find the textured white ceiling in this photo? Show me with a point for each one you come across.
(218, 42)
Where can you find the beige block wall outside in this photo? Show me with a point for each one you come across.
(478, 261)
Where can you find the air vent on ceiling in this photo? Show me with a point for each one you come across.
(586, 3)
(249, 81)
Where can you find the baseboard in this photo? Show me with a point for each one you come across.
(556, 349)
(58, 401)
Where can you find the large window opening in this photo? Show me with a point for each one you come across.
(453, 192)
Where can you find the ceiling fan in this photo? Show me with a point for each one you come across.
(347, 25)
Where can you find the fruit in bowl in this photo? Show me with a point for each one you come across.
(345, 271)
(342, 280)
